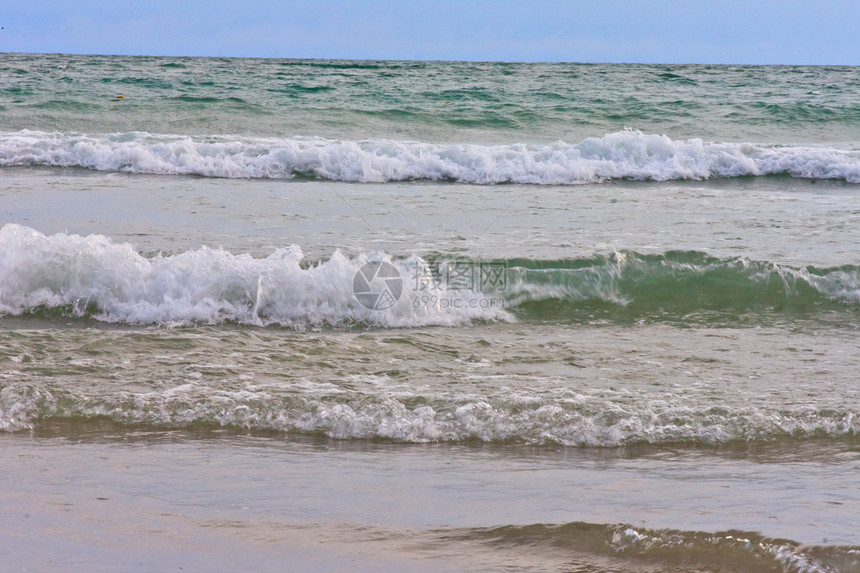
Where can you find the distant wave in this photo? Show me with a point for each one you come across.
(93, 277)
(624, 155)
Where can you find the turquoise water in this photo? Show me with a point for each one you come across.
(460, 310)
(441, 102)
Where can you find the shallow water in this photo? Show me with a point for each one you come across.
(258, 501)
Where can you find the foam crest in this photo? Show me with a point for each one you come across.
(624, 155)
(580, 419)
(70, 275)
(92, 276)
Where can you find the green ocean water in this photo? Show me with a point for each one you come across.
(428, 101)
(428, 315)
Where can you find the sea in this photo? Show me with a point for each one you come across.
(331, 315)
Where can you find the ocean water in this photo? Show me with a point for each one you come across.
(428, 316)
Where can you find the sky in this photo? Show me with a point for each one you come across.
(655, 31)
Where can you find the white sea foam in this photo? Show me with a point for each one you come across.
(93, 276)
(116, 284)
(587, 420)
(624, 155)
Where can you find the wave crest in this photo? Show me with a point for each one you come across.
(92, 276)
(71, 275)
(624, 155)
(578, 419)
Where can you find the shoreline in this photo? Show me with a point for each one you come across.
(167, 500)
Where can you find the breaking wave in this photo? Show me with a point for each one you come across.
(93, 277)
(623, 155)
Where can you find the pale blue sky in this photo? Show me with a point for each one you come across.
(666, 31)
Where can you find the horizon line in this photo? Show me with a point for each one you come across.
(439, 60)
